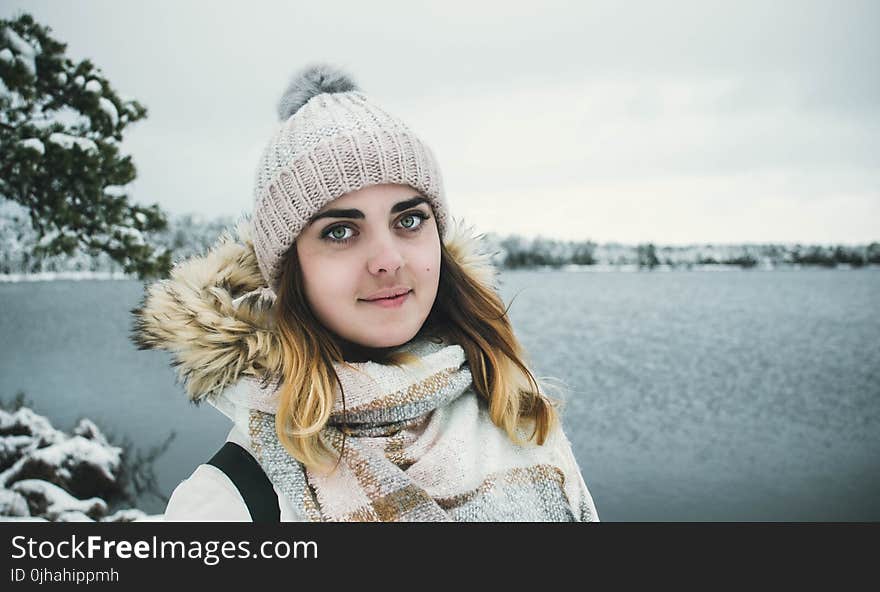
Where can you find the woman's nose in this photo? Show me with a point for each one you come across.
(386, 255)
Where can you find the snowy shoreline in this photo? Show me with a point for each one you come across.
(47, 475)
(49, 276)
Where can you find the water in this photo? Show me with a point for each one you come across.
(691, 395)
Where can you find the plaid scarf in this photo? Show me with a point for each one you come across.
(420, 446)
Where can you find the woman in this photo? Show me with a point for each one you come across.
(353, 334)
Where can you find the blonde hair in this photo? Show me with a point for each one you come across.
(465, 312)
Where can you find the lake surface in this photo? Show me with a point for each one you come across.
(728, 395)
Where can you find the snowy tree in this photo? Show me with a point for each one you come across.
(60, 127)
(647, 255)
(584, 253)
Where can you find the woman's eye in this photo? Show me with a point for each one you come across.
(338, 233)
(417, 219)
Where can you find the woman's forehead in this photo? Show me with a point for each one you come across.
(382, 192)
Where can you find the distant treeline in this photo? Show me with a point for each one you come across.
(517, 252)
(185, 236)
(190, 234)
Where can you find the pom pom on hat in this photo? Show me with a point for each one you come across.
(311, 81)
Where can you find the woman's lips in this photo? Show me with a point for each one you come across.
(390, 302)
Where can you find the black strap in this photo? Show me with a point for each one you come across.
(250, 479)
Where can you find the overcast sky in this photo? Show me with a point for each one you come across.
(672, 122)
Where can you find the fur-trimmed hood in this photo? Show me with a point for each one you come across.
(212, 313)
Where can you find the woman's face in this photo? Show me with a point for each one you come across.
(365, 242)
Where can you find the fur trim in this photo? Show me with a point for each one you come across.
(212, 313)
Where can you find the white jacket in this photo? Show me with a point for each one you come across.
(208, 495)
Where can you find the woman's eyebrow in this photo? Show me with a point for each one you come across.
(354, 213)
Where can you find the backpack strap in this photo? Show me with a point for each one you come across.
(250, 479)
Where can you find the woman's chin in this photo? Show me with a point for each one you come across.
(365, 346)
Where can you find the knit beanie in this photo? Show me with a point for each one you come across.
(332, 140)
